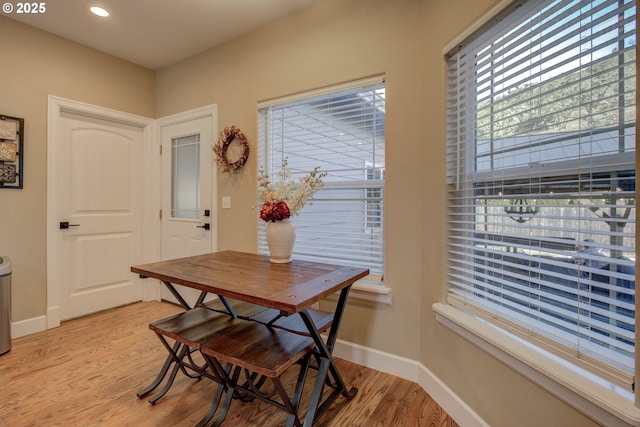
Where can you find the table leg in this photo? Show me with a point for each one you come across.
(176, 294)
(224, 301)
(327, 365)
(201, 298)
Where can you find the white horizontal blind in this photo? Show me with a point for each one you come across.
(342, 132)
(541, 178)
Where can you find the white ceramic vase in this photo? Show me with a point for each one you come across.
(281, 236)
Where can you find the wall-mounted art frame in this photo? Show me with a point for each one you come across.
(11, 151)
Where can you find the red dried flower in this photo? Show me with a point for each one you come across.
(276, 211)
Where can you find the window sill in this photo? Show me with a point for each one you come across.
(378, 294)
(602, 401)
(373, 293)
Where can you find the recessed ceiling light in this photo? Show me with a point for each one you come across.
(99, 11)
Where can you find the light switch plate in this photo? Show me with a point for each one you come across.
(226, 202)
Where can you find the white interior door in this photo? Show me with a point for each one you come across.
(98, 195)
(188, 226)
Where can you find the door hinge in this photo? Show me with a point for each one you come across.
(160, 214)
(161, 149)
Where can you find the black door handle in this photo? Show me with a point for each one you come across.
(65, 225)
(205, 226)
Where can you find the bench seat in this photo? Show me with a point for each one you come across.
(194, 327)
(259, 348)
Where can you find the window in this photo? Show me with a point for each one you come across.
(341, 130)
(541, 178)
(185, 175)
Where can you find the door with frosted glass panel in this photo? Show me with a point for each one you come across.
(187, 211)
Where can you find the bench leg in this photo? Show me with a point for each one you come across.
(227, 383)
(213, 408)
(167, 385)
(230, 392)
(230, 377)
(163, 372)
(176, 354)
(292, 419)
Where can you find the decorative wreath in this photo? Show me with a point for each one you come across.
(227, 136)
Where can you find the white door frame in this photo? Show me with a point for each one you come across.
(57, 106)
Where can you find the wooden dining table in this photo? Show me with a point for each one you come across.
(292, 288)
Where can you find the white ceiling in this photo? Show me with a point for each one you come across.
(157, 33)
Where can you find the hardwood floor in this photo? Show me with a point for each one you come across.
(87, 372)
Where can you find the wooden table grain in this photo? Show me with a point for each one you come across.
(253, 278)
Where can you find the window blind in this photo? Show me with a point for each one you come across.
(342, 132)
(541, 178)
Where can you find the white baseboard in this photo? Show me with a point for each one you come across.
(415, 372)
(53, 317)
(28, 326)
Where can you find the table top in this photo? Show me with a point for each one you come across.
(290, 287)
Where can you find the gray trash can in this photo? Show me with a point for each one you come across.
(5, 304)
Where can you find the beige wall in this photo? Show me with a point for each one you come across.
(333, 43)
(35, 65)
(337, 41)
(501, 396)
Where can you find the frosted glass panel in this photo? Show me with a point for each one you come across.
(185, 177)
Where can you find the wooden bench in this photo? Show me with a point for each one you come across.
(257, 349)
(189, 330)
